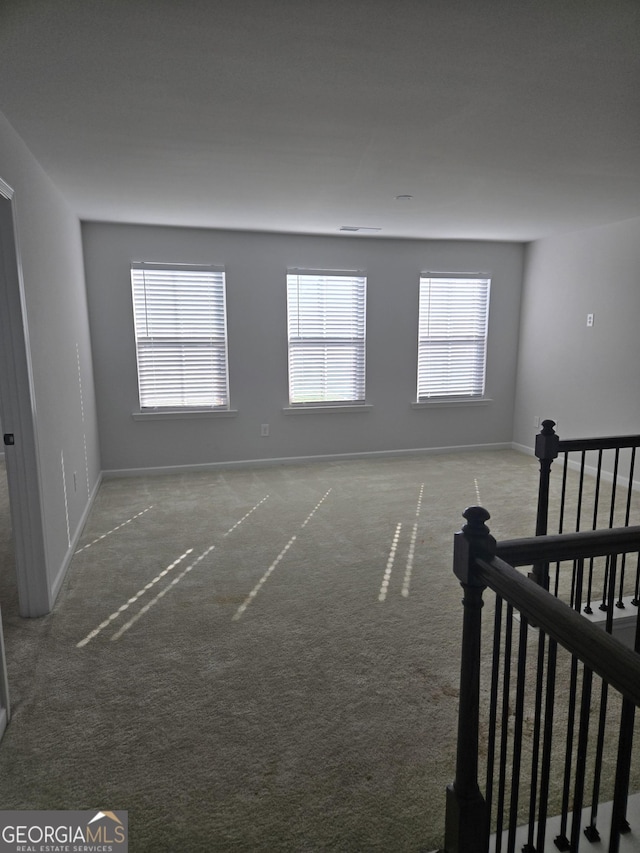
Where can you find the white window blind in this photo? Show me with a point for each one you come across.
(326, 321)
(452, 336)
(181, 336)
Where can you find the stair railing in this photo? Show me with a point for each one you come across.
(592, 488)
(481, 563)
(606, 461)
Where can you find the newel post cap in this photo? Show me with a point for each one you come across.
(473, 541)
(547, 441)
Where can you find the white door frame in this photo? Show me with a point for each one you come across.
(17, 409)
(5, 704)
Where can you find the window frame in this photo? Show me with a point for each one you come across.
(296, 344)
(214, 341)
(448, 391)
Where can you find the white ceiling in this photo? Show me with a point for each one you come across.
(504, 119)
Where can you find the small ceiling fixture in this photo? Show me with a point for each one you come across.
(404, 197)
(358, 228)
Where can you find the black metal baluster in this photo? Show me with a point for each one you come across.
(580, 491)
(557, 580)
(607, 568)
(504, 729)
(614, 485)
(579, 513)
(587, 607)
(546, 745)
(596, 497)
(561, 841)
(493, 709)
(636, 592)
(517, 734)
(572, 594)
(605, 587)
(563, 491)
(613, 563)
(620, 602)
(591, 830)
(623, 767)
(621, 787)
(563, 496)
(594, 526)
(535, 753)
(581, 758)
(632, 463)
(627, 516)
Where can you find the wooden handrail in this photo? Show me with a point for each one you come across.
(607, 443)
(601, 652)
(569, 546)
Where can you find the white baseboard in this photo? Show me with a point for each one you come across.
(605, 476)
(522, 448)
(297, 460)
(589, 470)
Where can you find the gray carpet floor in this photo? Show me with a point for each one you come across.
(258, 659)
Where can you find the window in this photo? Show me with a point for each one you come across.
(181, 336)
(326, 320)
(452, 336)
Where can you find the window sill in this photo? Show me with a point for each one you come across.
(327, 410)
(446, 402)
(178, 414)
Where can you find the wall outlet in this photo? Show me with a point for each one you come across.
(536, 421)
(589, 320)
(264, 430)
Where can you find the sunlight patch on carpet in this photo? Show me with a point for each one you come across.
(155, 580)
(392, 556)
(113, 529)
(266, 575)
(147, 607)
(245, 516)
(90, 636)
(412, 547)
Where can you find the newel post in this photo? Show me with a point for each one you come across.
(466, 823)
(546, 451)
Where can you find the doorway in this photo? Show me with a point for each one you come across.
(18, 423)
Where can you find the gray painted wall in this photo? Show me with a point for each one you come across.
(585, 378)
(256, 300)
(56, 314)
